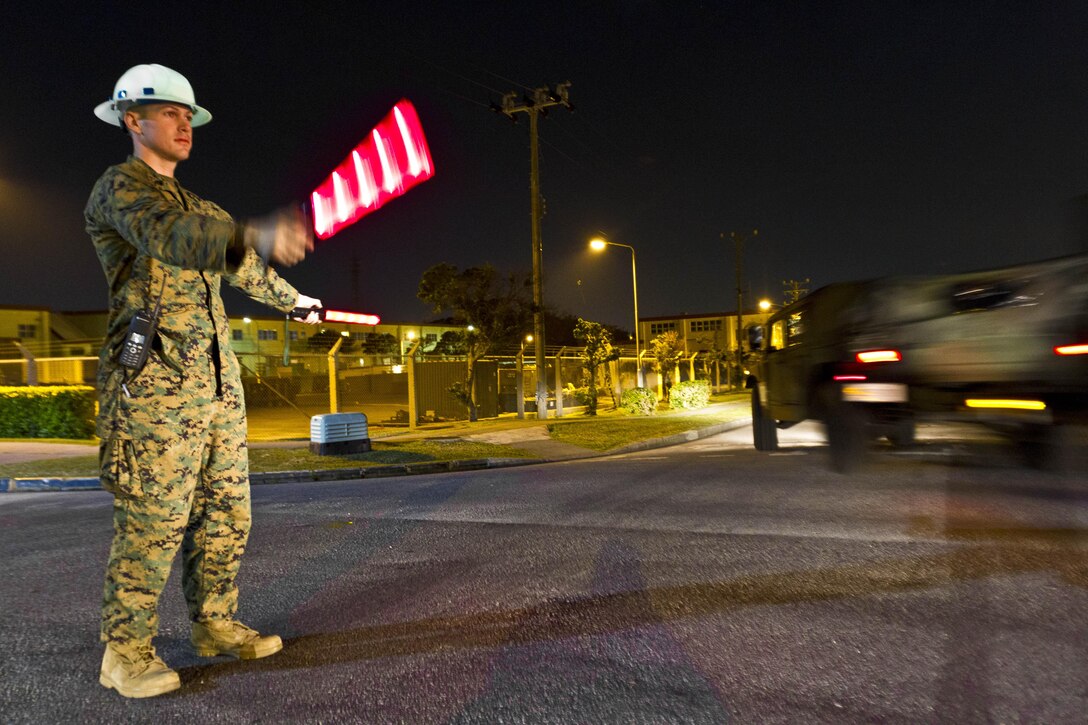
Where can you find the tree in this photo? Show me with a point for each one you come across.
(451, 343)
(324, 340)
(381, 344)
(560, 326)
(667, 349)
(498, 309)
(713, 360)
(598, 351)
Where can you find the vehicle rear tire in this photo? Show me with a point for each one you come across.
(764, 431)
(847, 435)
(902, 433)
(1046, 447)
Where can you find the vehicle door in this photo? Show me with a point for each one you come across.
(786, 368)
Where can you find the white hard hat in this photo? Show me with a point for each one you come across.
(147, 84)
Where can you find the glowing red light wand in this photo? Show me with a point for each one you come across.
(354, 318)
(392, 159)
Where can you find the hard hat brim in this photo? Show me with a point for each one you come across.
(107, 111)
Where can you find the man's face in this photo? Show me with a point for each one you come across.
(164, 129)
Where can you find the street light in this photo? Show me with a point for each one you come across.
(257, 340)
(598, 244)
(738, 241)
(519, 378)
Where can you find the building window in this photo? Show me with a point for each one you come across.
(430, 338)
(236, 334)
(660, 328)
(706, 325)
(268, 335)
(26, 331)
(293, 335)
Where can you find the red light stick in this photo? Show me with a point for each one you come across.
(392, 159)
(355, 318)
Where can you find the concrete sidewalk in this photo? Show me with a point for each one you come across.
(20, 451)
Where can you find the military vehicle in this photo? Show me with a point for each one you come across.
(1006, 348)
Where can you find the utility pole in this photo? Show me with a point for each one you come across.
(738, 243)
(793, 291)
(535, 106)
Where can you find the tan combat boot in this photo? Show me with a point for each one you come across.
(136, 671)
(228, 637)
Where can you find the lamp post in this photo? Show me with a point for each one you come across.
(738, 241)
(287, 340)
(597, 244)
(257, 344)
(519, 382)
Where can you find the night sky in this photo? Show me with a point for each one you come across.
(862, 140)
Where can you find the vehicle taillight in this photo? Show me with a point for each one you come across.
(1000, 404)
(1081, 349)
(877, 356)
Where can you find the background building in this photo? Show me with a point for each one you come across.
(701, 332)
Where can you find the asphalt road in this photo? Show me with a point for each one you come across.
(705, 583)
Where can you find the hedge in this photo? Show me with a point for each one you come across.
(639, 401)
(55, 411)
(689, 395)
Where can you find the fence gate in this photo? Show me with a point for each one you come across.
(434, 378)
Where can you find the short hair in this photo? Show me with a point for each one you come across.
(140, 109)
(124, 107)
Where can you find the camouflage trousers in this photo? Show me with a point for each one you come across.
(174, 455)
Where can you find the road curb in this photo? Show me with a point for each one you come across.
(685, 437)
(38, 485)
(13, 485)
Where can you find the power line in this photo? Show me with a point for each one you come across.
(458, 75)
(501, 78)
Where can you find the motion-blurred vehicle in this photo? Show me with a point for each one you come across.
(1005, 347)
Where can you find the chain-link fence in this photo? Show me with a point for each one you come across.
(391, 390)
(49, 363)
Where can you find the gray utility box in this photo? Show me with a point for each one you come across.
(336, 434)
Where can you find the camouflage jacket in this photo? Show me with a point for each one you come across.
(151, 234)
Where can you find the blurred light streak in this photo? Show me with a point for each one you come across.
(355, 318)
(994, 403)
(874, 356)
(352, 191)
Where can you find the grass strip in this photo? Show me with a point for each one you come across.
(265, 460)
(617, 429)
(607, 431)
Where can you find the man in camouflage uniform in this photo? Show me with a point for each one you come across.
(173, 434)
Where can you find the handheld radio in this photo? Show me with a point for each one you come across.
(140, 336)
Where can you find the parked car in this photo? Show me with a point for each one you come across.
(1006, 347)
